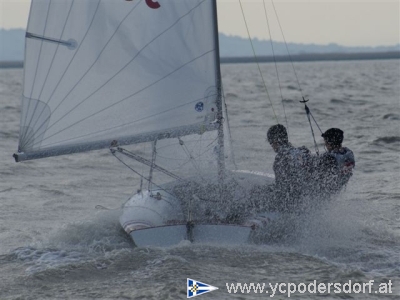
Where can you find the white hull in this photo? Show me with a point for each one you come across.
(157, 219)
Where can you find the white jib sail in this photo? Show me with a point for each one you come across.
(104, 70)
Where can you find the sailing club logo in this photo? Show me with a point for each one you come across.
(195, 288)
(199, 106)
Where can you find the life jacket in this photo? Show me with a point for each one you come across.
(345, 160)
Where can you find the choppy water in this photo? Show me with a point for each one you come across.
(55, 244)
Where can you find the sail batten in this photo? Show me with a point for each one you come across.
(98, 72)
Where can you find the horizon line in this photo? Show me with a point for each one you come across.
(275, 41)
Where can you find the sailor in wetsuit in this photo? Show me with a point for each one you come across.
(291, 168)
(334, 168)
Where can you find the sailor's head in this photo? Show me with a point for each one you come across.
(333, 138)
(277, 136)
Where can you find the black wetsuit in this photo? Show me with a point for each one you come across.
(291, 168)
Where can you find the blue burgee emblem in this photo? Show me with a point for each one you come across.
(195, 288)
(199, 106)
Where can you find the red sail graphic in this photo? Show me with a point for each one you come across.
(153, 4)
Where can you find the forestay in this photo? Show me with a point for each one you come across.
(104, 70)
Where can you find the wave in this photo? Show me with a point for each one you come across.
(391, 117)
(349, 101)
(290, 87)
(231, 95)
(75, 243)
(387, 140)
(337, 101)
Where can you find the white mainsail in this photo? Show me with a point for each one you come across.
(130, 71)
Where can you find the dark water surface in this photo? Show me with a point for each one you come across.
(54, 244)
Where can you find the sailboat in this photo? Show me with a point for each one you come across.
(106, 74)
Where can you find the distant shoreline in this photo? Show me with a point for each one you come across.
(11, 64)
(315, 57)
(279, 58)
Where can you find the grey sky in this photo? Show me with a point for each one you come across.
(346, 22)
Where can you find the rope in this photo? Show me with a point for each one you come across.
(130, 168)
(276, 66)
(258, 65)
(309, 121)
(191, 158)
(287, 49)
(229, 129)
(316, 122)
(308, 112)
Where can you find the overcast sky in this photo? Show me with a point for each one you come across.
(345, 22)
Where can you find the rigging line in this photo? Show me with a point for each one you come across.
(147, 162)
(191, 158)
(141, 177)
(137, 92)
(126, 165)
(258, 65)
(152, 164)
(315, 122)
(184, 159)
(126, 65)
(229, 127)
(276, 66)
(309, 121)
(287, 49)
(36, 70)
(200, 155)
(297, 78)
(65, 71)
(51, 64)
(213, 141)
(171, 145)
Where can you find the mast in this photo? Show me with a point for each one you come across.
(221, 157)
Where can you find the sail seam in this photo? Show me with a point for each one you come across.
(130, 123)
(62, 76)
(137, 92)
(87, 71)
(34, 77)
(126, 65)
(51, 64)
